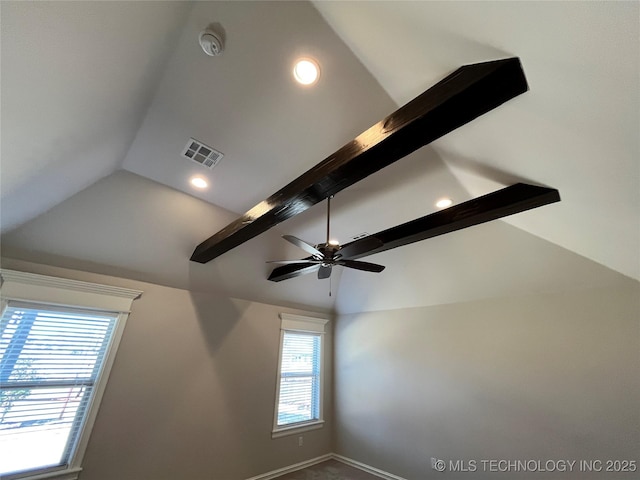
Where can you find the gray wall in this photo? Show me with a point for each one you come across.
(539, 377)
(192, 390)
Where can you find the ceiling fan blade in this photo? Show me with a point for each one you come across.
(294, 262)
(285, 272)
(324, 271)
(358, 265)
(360, 246)
(307, 247)
(294, 271)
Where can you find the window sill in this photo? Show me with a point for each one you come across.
(293, 429)
(67, 474)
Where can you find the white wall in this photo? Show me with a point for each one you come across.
(191, 394)
(541, 377)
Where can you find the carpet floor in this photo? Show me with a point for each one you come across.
(329, 470)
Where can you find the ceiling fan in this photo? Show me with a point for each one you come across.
(325, 256)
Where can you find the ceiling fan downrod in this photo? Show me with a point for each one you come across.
(328, 216)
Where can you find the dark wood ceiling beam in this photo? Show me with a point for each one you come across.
(501, 203)
(464, 95)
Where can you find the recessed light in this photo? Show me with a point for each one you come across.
(444, 203)
(199, 182)
(306, 71)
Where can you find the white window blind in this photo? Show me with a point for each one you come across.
(299, 399)
(50, 361)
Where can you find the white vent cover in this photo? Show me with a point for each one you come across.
(201, 153)
(360, 235)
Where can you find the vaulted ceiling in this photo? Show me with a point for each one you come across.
(93, 126)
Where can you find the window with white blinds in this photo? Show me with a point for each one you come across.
(299, 378)
(58, 339)
(300, 374)
(50, 359)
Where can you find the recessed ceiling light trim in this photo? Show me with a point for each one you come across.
(444, 203)
(199, 182)
(306, 71)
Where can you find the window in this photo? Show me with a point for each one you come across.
(54, 360)
(299, 392)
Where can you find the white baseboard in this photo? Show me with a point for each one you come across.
(292, 468)
(329, 456)
(366, 468)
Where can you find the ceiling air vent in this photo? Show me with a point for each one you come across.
(201, 153)
(360, 235)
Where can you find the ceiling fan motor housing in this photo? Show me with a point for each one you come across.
(328, 250)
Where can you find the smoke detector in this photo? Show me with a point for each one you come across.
(211, 43)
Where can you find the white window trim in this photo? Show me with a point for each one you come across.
(299, 323)
(34, 288)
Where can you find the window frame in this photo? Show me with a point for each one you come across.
(73, 294)
(300, 324)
